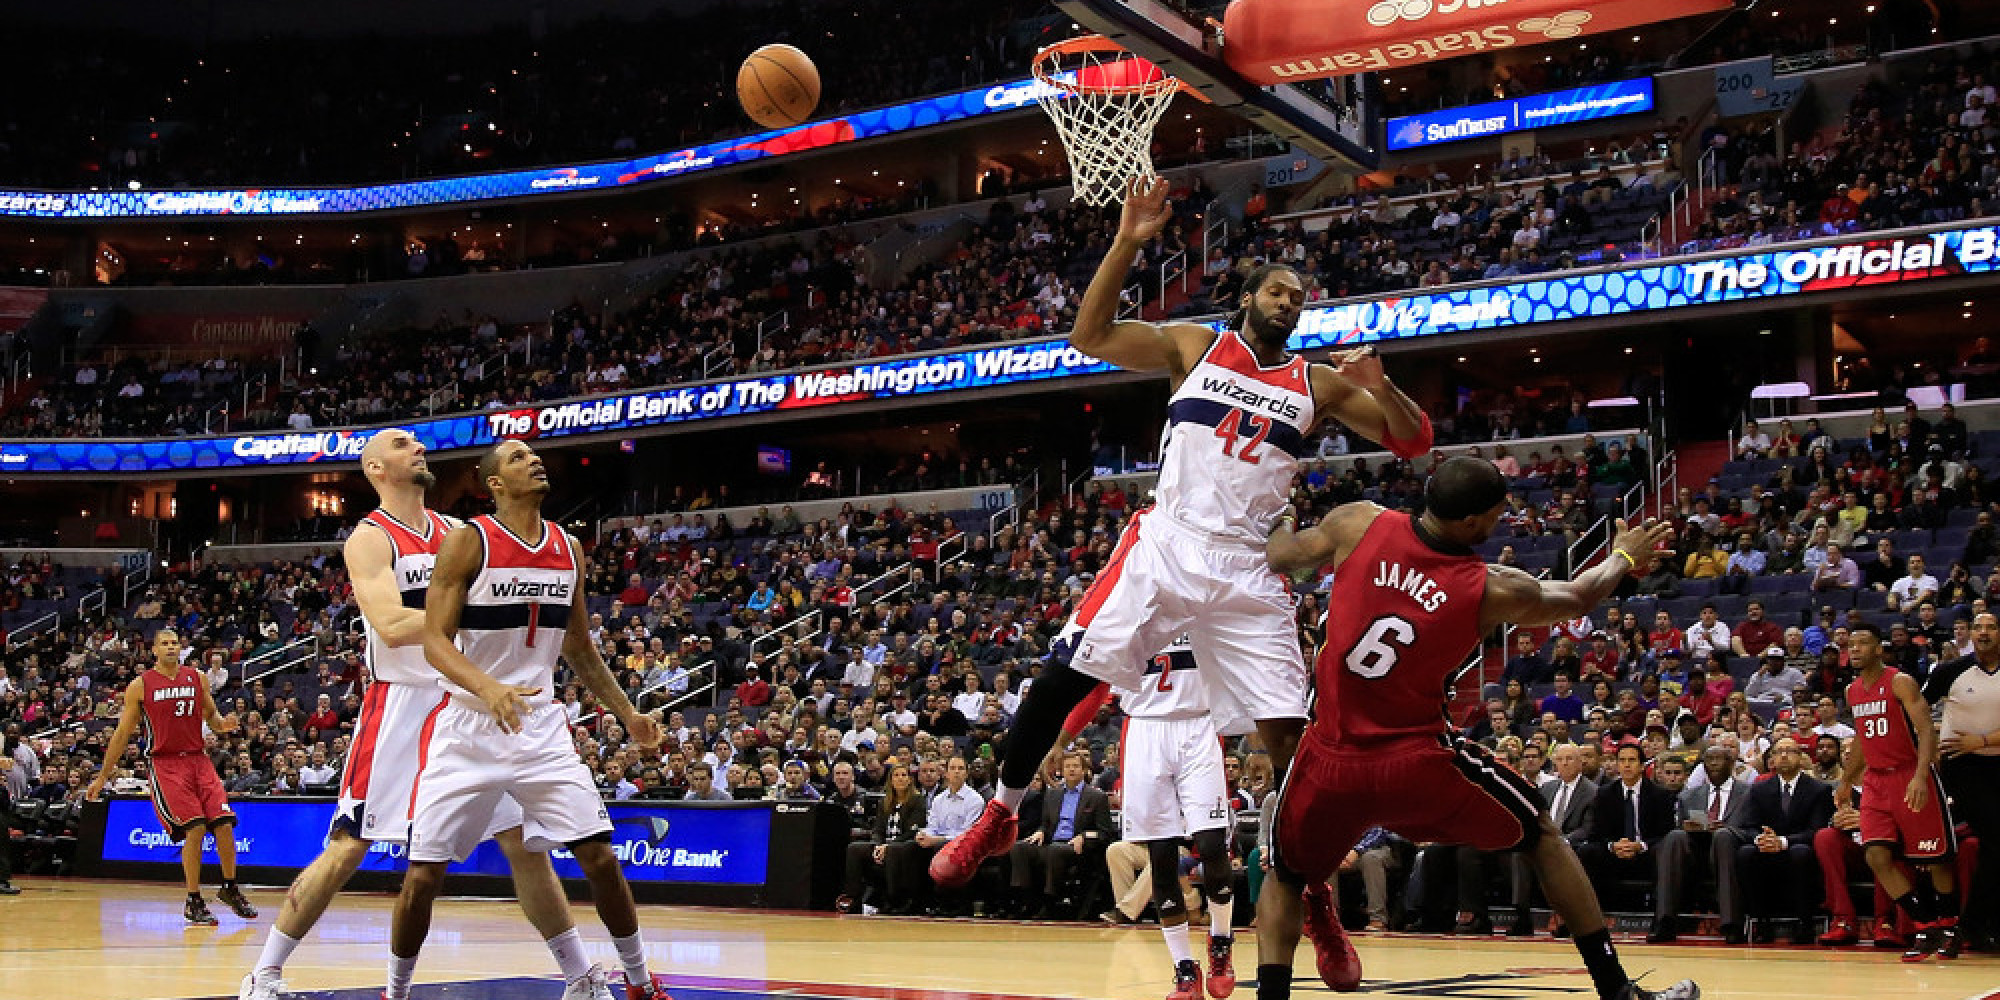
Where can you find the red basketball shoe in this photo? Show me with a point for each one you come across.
(1221, 968)
(991, 835)
(1339, 966)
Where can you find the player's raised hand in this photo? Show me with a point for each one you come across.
(645, 729)
(1643, 544)
(1146, 209)
(1361, 366)
(508, 702)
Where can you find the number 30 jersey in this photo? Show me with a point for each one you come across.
(1235, 434)
(1404, 615)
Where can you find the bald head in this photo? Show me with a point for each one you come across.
(394, 458)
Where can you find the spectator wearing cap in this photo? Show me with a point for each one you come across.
(754, 692)
(1707, 635)
(1773, 683)
(1700, 699)
(1601, 659)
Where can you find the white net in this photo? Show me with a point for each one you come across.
(1105, 105)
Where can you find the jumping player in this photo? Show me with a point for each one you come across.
(1410, 602)
(1170, 761)
(389, 560)
(173, 701)
(506, 598)
(1902, 801)
(1238, 418)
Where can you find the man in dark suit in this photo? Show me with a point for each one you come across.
(1075, 830)
(1633, 816)
(1776, 859)
(1711, 811)
(1571, 799)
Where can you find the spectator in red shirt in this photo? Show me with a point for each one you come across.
(324, 721)
(1601, 659)
(634, 595)
(1756, 634)
(753, 692)
(1664, 635)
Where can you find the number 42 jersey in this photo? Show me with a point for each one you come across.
(1404, 617)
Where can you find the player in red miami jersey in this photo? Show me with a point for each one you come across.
(1902, 801)
(172, 700)
(1410, 602)
(1238, 415)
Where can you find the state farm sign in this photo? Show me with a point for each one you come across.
(1280, 41)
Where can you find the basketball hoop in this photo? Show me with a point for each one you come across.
(1105, 102)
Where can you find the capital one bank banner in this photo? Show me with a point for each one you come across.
(1778, 274)
(1011, 96)
(823, 388)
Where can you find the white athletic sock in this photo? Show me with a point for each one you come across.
(1177, 943)
(567, 947)
(632, 955)
(401, 972)
(1219, 915)
(278, 947)
(1010, 797)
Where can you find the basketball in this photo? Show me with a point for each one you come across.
(778, 86)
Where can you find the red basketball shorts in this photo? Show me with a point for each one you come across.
(186, 792)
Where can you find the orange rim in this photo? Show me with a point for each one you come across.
(1044, 69)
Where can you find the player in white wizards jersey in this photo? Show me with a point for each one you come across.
(506, 598)
(1173, 789)
(1241, 407)
(389, 558)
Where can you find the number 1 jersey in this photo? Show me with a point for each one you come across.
(1404, 615)
(1235, 433)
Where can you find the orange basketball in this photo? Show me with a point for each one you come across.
(778, 86)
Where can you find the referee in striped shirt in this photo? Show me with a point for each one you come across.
(1969, 688)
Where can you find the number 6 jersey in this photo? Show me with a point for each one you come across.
(1235, 434)
(1404, 615)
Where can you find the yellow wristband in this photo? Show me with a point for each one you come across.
(1629, 561)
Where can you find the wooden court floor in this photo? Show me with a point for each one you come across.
(89, 940)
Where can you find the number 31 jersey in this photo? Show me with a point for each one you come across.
(1404, 615)
(1235, 434)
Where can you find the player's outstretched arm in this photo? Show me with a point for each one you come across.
(128, 723)
(1515, 598)
(371, 568)
(1130, 344)
(217, 722)
(1851, 767)
(451, 580)
(1291, 552)
(1357, 392)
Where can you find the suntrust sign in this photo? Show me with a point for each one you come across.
(1520, 113)
(1274, 41)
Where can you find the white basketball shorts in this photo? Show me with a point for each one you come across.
(1165, 579)
(1171, 771)
(471, 773)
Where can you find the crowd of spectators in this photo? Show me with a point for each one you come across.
(1916, 148)
(874, 659)
(268, 109)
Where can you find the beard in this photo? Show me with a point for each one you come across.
(1264, 329)
(424, 478)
